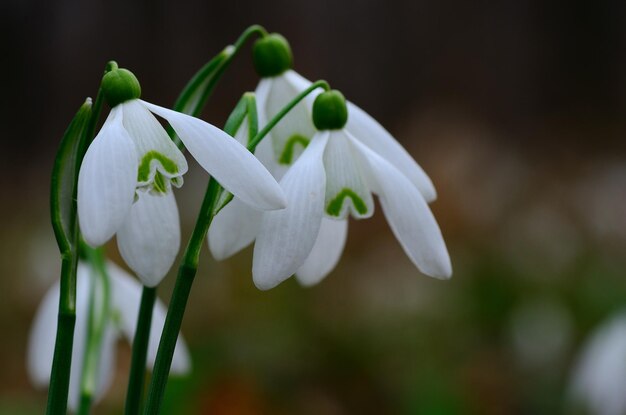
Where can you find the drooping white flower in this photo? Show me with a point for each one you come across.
(125, 179)
(287, 141)
(125, 296)
(335, 176)
(599, 375)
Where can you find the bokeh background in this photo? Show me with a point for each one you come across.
(515, 109)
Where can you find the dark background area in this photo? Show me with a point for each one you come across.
(516, 110)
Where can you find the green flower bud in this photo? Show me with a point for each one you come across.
(271, 55)
(120, 85)
(330, 111)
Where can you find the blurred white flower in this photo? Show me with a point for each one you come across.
(599, 376)
(125, 296)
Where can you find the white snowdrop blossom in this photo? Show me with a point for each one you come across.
(125, 297)
(335, 176)
(237, 226)
(599, 375)
(126, 178)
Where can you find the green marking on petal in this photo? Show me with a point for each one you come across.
(287, 156)
(144, 167)
(334, 206)
(160, 183)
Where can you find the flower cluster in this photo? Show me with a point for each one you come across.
(321, 163)
(329, 156)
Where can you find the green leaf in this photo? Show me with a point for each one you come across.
(65, 178)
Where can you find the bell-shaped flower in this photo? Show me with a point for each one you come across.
(334, 177)
(599, 376)
(125, 297)
(126, 178)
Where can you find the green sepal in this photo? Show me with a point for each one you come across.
(330, 111)
(271, 55)
(65, 178)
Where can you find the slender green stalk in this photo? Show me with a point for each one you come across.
(99, 310)
(189, 265)
(194, 96)
(64, 222)
(63, 214)
(137, 374)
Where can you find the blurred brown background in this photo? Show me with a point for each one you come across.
(516, 110)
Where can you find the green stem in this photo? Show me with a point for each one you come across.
(245, 36)
(137, 374)
(62, 359)
(184, 280)
(198, 90)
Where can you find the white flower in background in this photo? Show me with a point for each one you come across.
(125, 296)
(599, 376)
(236, 226)
(125, 179)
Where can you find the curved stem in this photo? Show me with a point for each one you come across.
(62, 359)
(137, 373)
(194, 96)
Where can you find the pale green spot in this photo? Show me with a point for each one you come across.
(334, 206)
(287, 155)
(168, 165)
(160, 183)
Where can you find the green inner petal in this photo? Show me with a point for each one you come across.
(334, 206)
(144, 167)
(287, 155)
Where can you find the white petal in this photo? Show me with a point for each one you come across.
(149, 239)
(126, 295)
(233, 228)
(232, 165)
(407, 212)
(287, 236)
(261, 93)
(155, 149)
(345, 187)
(107, 181)
(326, 252)
(600, 372)
(291, 135)
(367, 130)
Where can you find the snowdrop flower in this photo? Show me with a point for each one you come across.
(126, 178)
(599, 376)
(334, 177)
(236, 226)
(125, 296)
